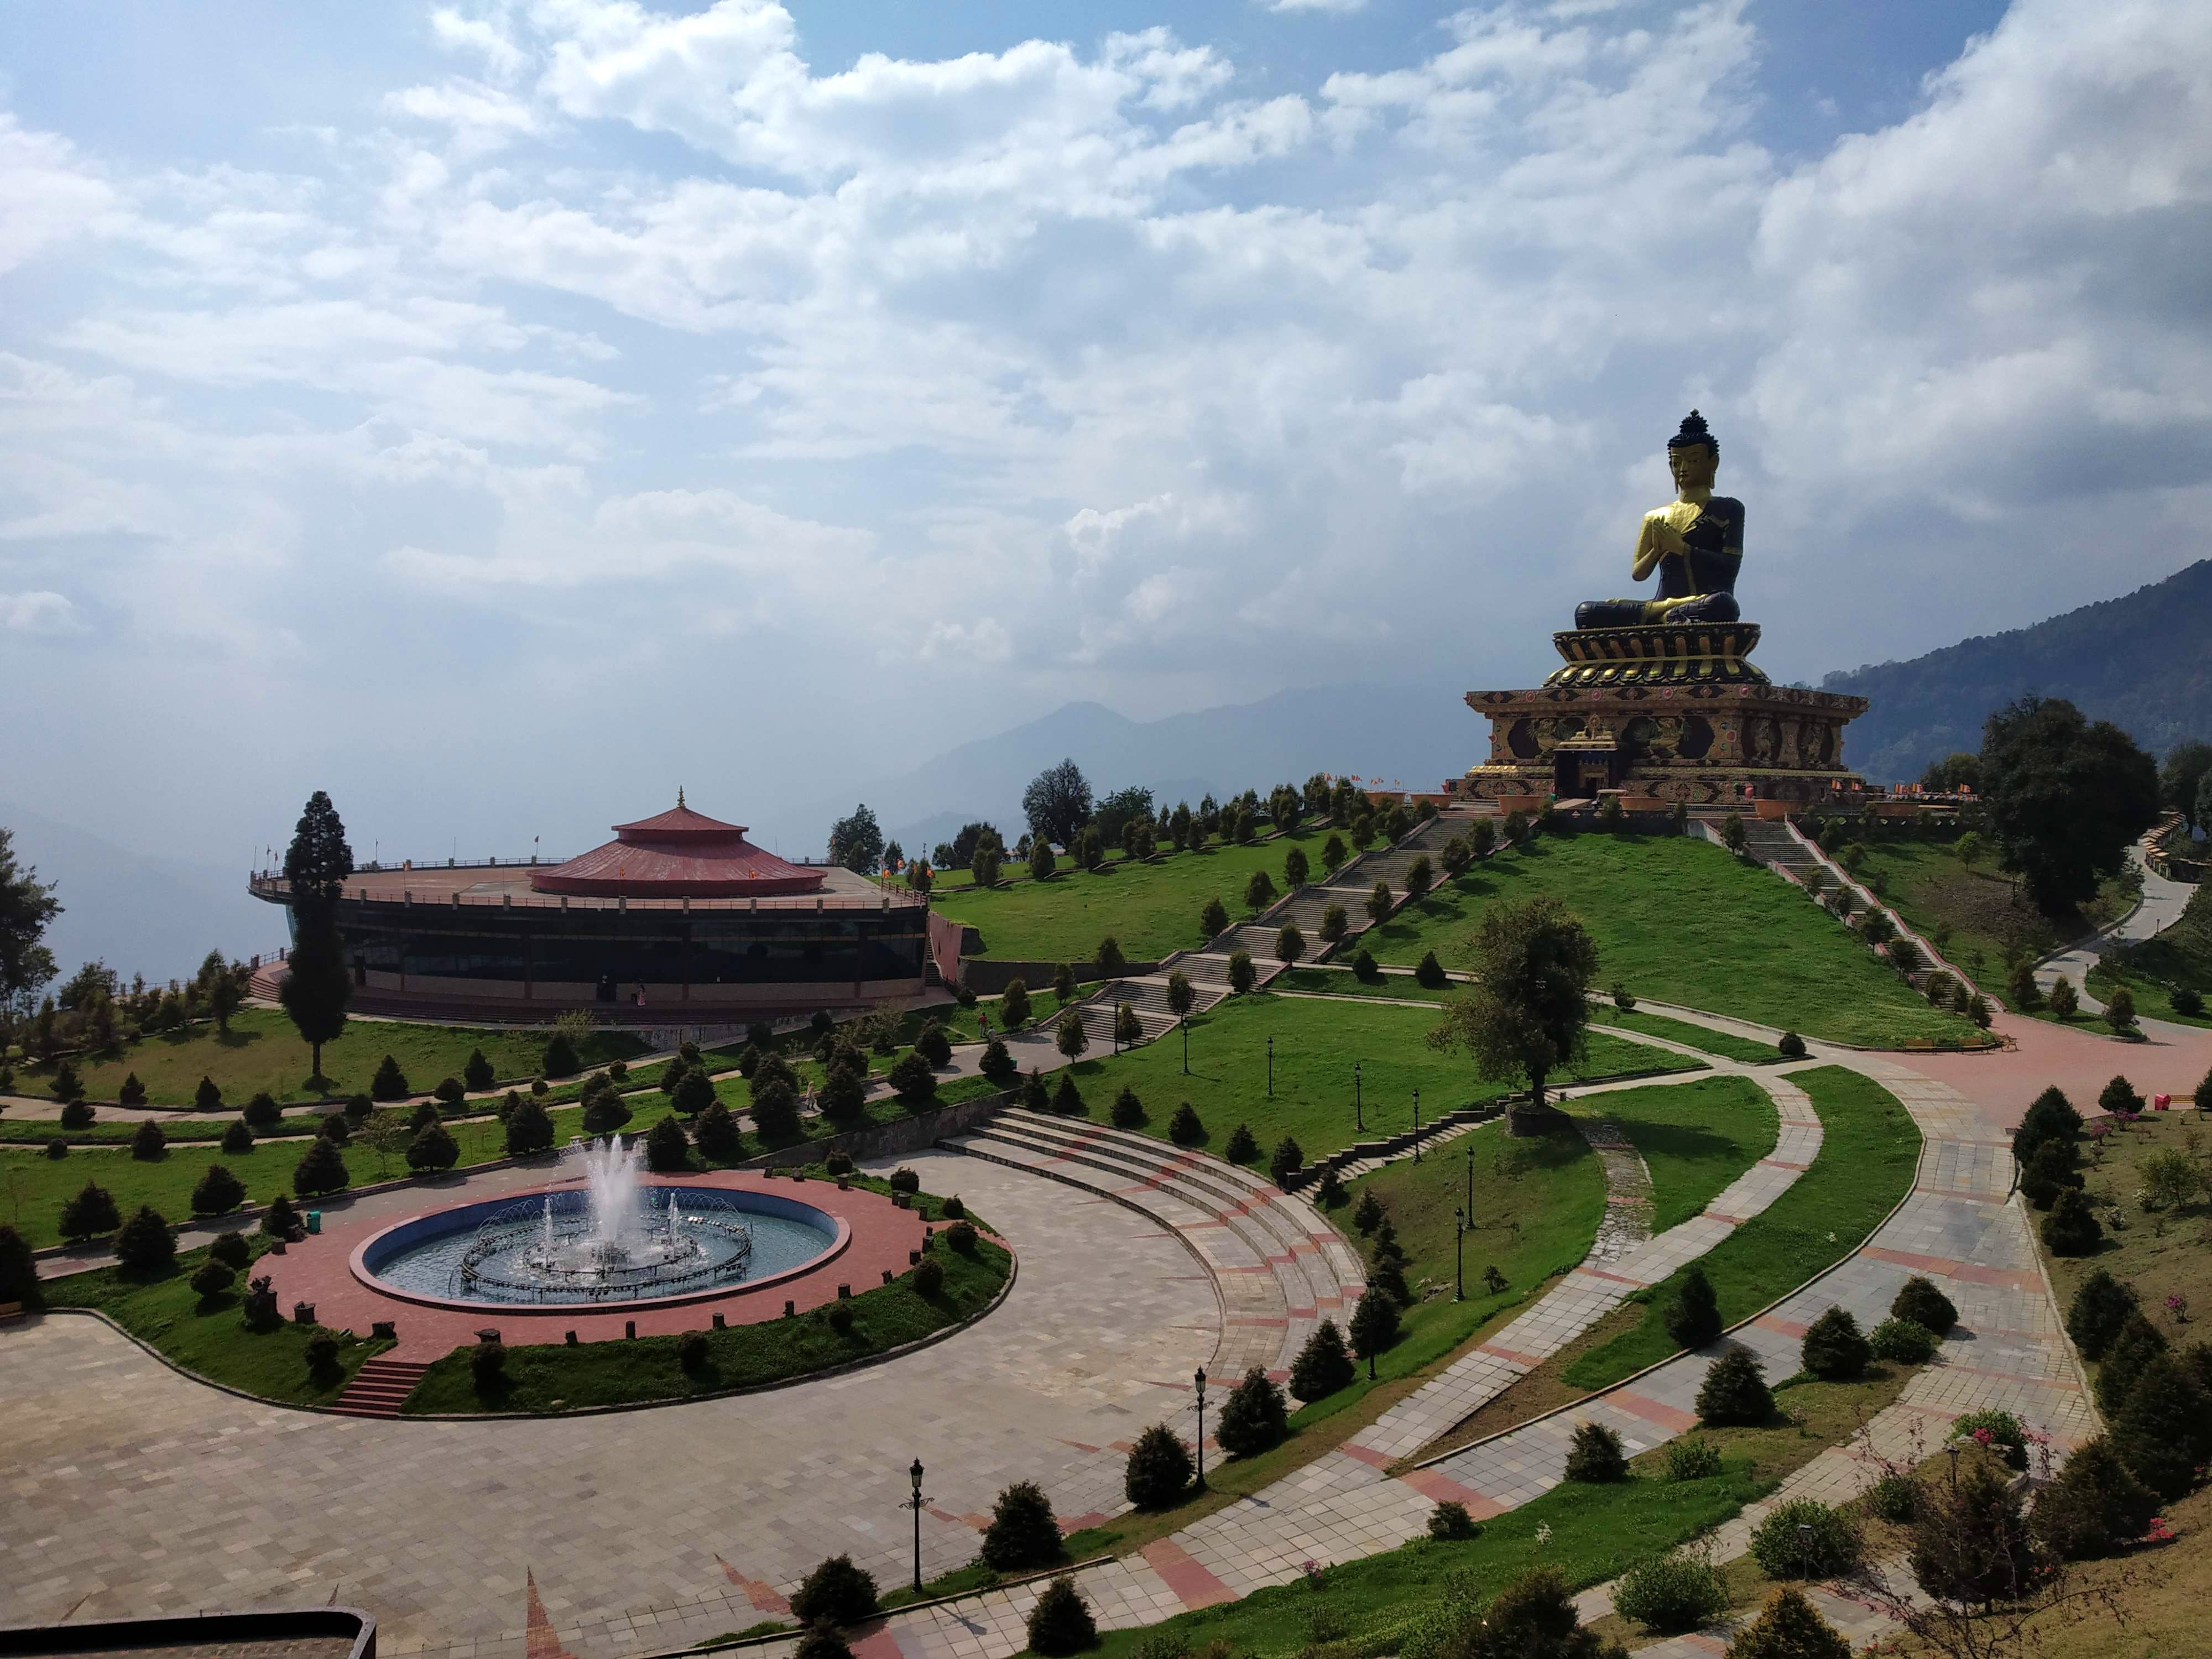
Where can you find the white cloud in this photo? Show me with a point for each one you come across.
(38, 612)
(1342, 8)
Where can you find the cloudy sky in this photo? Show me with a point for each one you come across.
(497, 413)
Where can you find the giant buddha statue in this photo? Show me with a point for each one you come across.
(1695, 543)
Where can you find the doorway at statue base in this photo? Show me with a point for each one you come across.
(1663, 714)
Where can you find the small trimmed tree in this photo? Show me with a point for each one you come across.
(912, 1077)
(1022, 1532)
(477, 1072)
(560, 1057)
(1060, 1623)
(1066, 1099)
(695, 1093)
(1323, 1365)
(1259, 891)
(1184, 1128)
(775, 1111)
(1287, 1158)
(89, 1214)
(933, 1045)
(1128, 1030)
(1918, 1300)
(1242, 976)
(1335, 924)
(2166, 1431)
(837, 1592)
(1290, 943)
(207, 1097)
(1693, 1314)
(320, 1170)
(217, 1192)
(238, 1138)
(1112, 964)
(998, 1063)
(1212, 920)
(281, 1218)
(132, 1093)
(1594, 1455)
(1243, 1147)
(1158, 1471)
(1789, 1627)
(667, 1148)
(145, 1244)
(262, 1112)
(1295, 869)
(1253, 1417)
(1374, 1325)
(1734, 1390)
(1970, 1538)
(1835, 1350)
(1014, 1005)
(2097, 1311)
(434, 1150)
(148, 1143)
(2120, 1010)
(529, 1129)
(2126, 1359)
(1068, 1034)
(390, 1083)
(1333, 853)
(2071, 1228)
(2096, 1506)
(1378, 903)
(1182, 996)
(720, 1139)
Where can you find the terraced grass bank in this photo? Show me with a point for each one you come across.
(1695, 1138)
(1869, 1148)
(1681, 921)
(1150, 909)
(1317, 1045)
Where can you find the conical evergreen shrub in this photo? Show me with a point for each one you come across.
(1068, 1099)
(90, 1214)
(1789, 1627)
(1595, 1456)
(720, 1139)
(1128, 1112)
(1734, 1390)
(1835, 1349)
(1060, 1622)
(2100, 1307)
(1323, 1365)
(1184, 1127)
(218, 1191)
(2166, 1431)
(321, 1170)
(1242, 1147)
(1694, 1312)
(390, 1083)
(1918, 1300)
(1253, 1417)
(2094, 1508)
(2137, 1344)
(144, 1243)
(1159, 1470)
(2071, 1228)
(1970, 1537)
(837, 1592)
(1022, 1532)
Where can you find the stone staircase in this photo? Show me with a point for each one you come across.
(378, 1388)
(1280, 1267)
(1362, 1156)
(1769, 841)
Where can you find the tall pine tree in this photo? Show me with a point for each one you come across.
(316, 989)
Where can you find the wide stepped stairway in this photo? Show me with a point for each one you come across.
(1769, 841)
(1280, 1266)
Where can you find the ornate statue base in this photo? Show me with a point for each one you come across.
(1671, 713)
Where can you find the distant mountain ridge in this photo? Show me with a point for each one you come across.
(2142, 661)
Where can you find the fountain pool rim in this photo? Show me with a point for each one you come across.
(459, 1218)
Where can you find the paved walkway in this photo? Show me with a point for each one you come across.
(652, 1531)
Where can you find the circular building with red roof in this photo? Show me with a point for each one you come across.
(675, 854)
(679, 920)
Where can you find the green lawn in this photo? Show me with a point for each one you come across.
(1537, 1205)
(263, 1052)
(1869, 1148)
(1681, 921)
(1723, 1043)
(210, 1337)
(546, 1377)
(1342, 982)
(1150, 909)
(1695, 1137)
(1315, 1045)
(1973, 917)
(1589, 1532)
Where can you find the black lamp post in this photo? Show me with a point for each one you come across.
(1198, 1381)
(1459, 1256)
(1417, 1126)
(1185, 1023)
(915, 1504)
(1470, 1178)
(1358, 1107)
(1271, 1065)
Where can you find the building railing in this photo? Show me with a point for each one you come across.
(266, 885)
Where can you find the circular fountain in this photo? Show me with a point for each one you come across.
(617, 1237)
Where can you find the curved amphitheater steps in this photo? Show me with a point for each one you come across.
(1280, 1267)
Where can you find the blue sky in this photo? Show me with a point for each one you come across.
(469, 408)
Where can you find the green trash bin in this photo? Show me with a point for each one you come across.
(314, 1221)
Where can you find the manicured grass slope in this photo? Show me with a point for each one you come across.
(1869, 1148)
(1681, 921)
(210, 1337)
(263, 1052)
(1316, 1043)
(1149, 909)
(1696, 1137)
(745, 1356)
(1537, 1205)
(1728, 1046)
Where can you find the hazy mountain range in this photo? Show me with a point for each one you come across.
(2143, 661)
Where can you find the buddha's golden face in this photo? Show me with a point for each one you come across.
(1693, 466)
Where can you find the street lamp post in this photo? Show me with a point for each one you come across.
(915, 1504)
(1271, 1066)
(1459, 1256)
(1417, 1126)
(1185, 1023)
(1358, 1107)
(1198, 1381)
(1470, 1178)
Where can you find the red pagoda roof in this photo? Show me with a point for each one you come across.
(677, 853)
